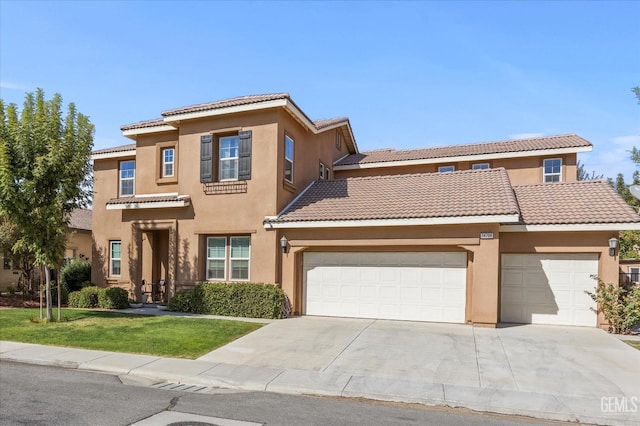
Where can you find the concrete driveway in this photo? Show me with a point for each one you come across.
(572, 361)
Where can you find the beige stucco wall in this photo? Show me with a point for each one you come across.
(482, 282)
(523, 170)
(79, 245)
(8, 277)
(185, 229)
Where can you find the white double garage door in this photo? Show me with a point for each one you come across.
(427, 286)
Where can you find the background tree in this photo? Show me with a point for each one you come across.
(583, 174)
(23, 260)
(44, 167)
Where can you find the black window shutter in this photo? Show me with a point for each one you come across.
(244, 155)
(206, 156)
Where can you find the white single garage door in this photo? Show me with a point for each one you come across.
(414, 286)
(548, 288)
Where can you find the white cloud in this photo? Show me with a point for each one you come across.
(613, 157)
(13, 86)
(525, 135)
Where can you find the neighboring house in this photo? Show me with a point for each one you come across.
(630, 271)
(79, 241)
(79, 246)
(481, 233)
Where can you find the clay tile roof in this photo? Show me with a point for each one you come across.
(120, 148)
(242, 100)
(149, 199)
(156, 122)
(80, 219)
(321, 124)
(518, 145)
(424, 195)
(583, 202)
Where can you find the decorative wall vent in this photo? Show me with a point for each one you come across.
(215, 188)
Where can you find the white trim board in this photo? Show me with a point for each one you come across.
(117, 154)
(627, 226)
(455, 220)
(147, 205)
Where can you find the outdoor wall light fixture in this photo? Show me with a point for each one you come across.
(613, 244)
(283, 243)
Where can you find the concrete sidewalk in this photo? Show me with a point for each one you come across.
(295, 381)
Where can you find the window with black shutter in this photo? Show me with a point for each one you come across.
(206, 158)
(244, 155)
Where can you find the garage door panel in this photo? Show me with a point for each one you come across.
(400, 285)
(548, 288)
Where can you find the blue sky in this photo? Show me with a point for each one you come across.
(407, 74)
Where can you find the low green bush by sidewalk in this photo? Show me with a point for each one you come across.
(94, 297)
(250, 300)
(85, 298)
(113, 298)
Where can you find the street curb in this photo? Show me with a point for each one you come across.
(305, 382)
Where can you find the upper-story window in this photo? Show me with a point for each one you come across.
(168, 155)
(327, 173)
(480, 166)
(443, 169)
(288, 159)
(127, 178)
(229, 158)
(552, 170)
(322, 171)
(225, 158)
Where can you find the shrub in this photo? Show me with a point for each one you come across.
(619, 304)
(232, 299)
(75, 273)
(64, 293)
(85, 298)
(113, 298)
(182, 301)
(11, 290)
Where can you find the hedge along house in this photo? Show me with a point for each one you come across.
(251, 189)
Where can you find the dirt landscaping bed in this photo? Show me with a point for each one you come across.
(18, 301)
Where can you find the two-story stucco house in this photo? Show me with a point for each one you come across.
(251, 189)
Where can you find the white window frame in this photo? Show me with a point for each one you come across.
(634, 272)
(552, 174)
(231, 258)
(480, 166)
(288, 139)
(322, 169)
(224, 260)
(112, 258)
(446, 169)
(327, 173)
(121, 179)
(166, 163)
(228, 159)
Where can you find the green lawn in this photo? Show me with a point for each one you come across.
(634, 343)
(167, 336)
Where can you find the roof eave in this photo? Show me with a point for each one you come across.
(269, 223)
(117, 154)
(133, 133)
(478, 157)
(569, 227)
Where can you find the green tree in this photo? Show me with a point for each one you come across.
(583, 174)
(44, 168)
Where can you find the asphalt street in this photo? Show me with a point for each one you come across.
(37, 395)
